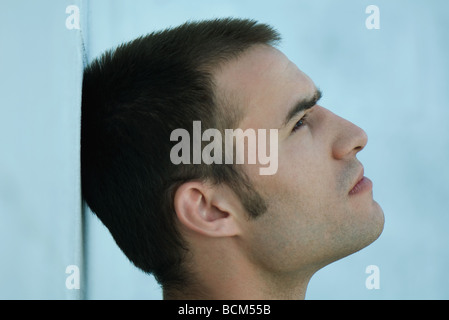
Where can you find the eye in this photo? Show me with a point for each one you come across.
(300, 123)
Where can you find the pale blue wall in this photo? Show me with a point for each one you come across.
(392, 82)
(41, 63)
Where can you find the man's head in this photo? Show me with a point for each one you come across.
(170, 219)
(133, 98)
(314, 214)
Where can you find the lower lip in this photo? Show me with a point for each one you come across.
(363, 185)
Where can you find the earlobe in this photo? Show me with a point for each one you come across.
(201, 208)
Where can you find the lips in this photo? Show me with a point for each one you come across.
(361, 184)
(359, 178)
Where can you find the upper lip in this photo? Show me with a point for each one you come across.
(359, 178)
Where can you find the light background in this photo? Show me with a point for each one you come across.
(392, 82)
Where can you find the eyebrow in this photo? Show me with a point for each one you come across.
(302, 105)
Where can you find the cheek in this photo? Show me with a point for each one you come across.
(304, 170)
(284, 236)
(304, 181)
(301, 215)
(290, 234)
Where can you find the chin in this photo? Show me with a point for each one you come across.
(379, 220)
(364, 232)
(372, 226)
(356, 236)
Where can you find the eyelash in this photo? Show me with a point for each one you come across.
(301, 121)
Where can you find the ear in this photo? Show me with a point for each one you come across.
(206, 209)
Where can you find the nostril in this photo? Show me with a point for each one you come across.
(350, 141)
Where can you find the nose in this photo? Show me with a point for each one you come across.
(349, 139)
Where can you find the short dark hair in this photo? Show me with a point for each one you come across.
(134, 96)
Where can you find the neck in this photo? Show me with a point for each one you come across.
(241, 288)
(230, 277)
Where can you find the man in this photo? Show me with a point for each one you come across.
(221, 230)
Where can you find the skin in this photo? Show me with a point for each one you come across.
(312, 219)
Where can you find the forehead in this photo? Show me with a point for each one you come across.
(264, 84)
